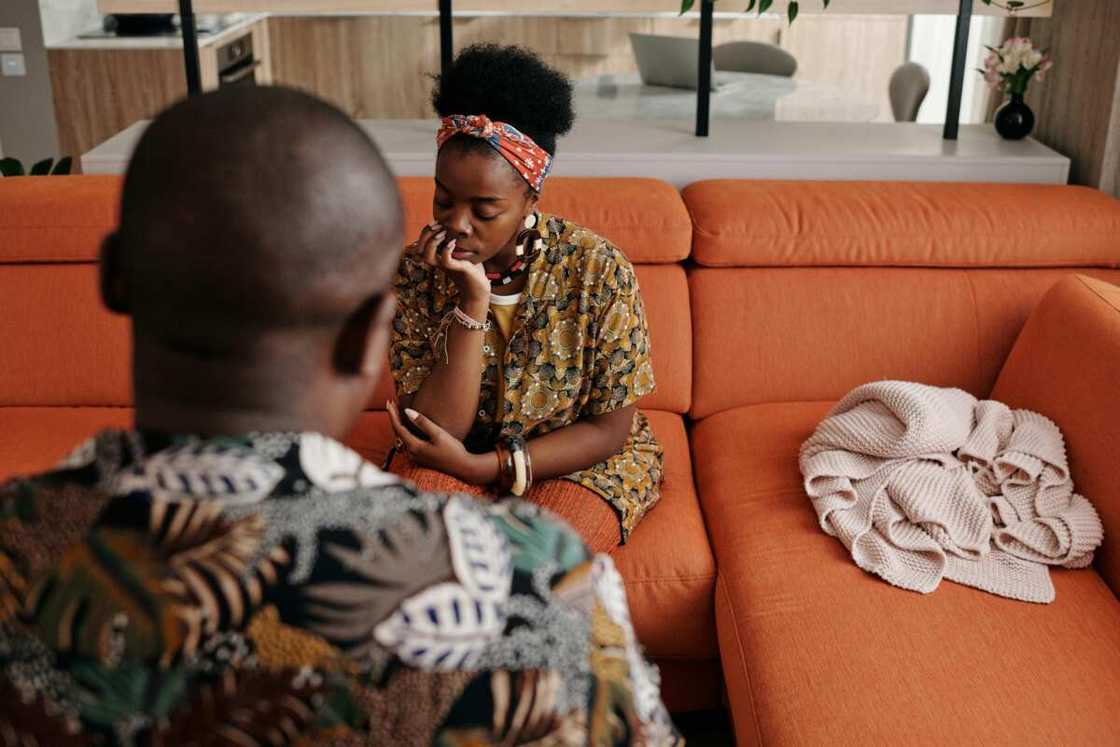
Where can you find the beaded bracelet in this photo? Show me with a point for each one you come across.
(470, 322)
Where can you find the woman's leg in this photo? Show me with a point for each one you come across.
(430, 480)
(585, 510)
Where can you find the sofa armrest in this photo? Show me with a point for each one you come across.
(1066, 365)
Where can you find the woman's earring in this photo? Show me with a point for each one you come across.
(529, 234)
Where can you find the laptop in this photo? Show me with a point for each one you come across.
(672, 61)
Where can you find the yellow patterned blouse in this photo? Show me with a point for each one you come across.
(580, 348)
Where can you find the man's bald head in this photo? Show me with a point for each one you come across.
(260, 229)
(254, 210)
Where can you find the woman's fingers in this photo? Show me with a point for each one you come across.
(411, 442)
(431, 430)
(430, 248)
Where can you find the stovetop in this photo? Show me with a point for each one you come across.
(206, 26)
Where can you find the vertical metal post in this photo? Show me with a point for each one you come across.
(190, 47)
(704, 84)
(956, 75)
(446, 45)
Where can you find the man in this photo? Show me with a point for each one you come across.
(229, 573)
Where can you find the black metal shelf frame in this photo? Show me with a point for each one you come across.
(703, 89)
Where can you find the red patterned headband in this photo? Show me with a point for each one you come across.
(526, 157)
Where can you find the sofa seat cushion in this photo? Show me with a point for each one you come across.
(816, 651)
(35, 439)
(667, 564)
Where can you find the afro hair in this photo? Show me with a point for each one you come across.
(507, 84)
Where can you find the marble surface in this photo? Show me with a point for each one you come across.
(743, 149)
(234, 25)
(738, 96)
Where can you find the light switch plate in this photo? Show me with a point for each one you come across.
(13, 65)
(10, 40)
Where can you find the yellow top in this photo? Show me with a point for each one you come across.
(504, 309)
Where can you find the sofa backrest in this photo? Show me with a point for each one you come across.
(61, 347)
(647, 220)
(803, 290)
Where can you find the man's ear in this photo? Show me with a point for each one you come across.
(362, 346)
(112, 275)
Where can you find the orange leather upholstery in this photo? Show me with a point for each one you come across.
(1066, 363)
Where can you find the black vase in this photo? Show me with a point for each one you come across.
(1015, 120)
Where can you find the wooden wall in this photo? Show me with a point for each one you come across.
(1077, 107)
(377, 66)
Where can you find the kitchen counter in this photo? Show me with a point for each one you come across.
(239, 24)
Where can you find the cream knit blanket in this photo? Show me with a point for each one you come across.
(921, 483)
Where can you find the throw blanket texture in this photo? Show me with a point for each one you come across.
(922, 483)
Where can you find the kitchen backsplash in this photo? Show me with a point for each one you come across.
(63, 19)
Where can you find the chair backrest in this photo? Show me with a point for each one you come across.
(908, 88)
(754, 57)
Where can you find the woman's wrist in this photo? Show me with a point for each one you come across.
(476, 308)
(481, 469)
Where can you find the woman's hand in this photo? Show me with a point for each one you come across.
(442, 451)
(469, 278)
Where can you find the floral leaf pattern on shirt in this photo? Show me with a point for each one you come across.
(580, 349)
(191, 609)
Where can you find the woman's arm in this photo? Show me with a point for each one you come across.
(562, 452)
(577, 446)
(450, 394)
(452, 374)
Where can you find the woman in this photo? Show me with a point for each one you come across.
(520, 345)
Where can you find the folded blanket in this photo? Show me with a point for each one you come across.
(922, 483)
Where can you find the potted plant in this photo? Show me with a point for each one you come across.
(1011, 6)
(1009, 69)
(12, 167)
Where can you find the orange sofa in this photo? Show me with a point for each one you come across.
(767, 302)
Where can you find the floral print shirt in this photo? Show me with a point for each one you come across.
(580, 348)
(277, 589)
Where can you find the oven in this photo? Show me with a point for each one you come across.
(237, 65)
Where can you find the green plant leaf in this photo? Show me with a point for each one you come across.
(764, 5)
(686, 5)
(42, 168)
(11, 167)
(751, 6)
(63, 167)
(793, 8)
(826, 2)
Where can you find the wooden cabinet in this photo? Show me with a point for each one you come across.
(100, 89)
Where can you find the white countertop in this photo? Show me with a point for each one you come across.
(238, 26)
(736, 149)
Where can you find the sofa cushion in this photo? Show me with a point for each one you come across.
(741, 223)
(780, 334)
(667, 564)
(57, 218)
(60, 346)
(815, 650)
(645, 218)
(35, 439)
(1066, 364)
